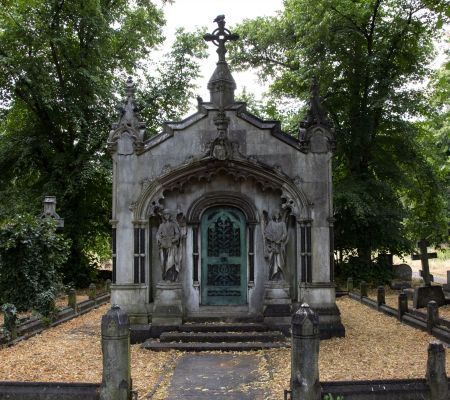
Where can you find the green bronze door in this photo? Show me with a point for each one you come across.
(224, 257)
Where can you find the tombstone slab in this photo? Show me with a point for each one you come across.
(403, 272)
(425, 294)
(218, 376)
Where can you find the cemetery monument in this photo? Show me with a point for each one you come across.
(223, 213)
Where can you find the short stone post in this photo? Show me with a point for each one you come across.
(92, 291)
(349, 284)
(305, 383)
(10, 320)
(108, 285)
(72, 299)
(432, 315)
(116, 382)
(402, 305)
(436, 375)
(363, 289)
(381, 296)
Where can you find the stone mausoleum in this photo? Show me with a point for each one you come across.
(223, 215)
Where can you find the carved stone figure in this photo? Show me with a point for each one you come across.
(275, 239)
(169, 238)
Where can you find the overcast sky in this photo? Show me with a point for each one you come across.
(191, 14)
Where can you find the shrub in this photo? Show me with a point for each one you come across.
(375, 273)
(31, 254)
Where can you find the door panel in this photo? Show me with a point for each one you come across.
(224, 260)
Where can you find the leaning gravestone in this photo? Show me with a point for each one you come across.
(402, 277)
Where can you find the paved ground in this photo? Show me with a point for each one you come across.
(216, 376)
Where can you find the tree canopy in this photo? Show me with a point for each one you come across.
(62, 63)
(370, 57)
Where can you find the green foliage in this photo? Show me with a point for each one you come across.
(31, 257)
(61, 64)
(329, 396)
(375, 273)
(45, 303)
(369, 56)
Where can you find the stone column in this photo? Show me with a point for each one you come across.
(92, 291)
(436, 375)
(10, 320)
(432, 315)
(72, 299)
(350, 284)
(305, 383)
(108, 285)
(402, 305)
(116, 382)
(381, 296)
(363, 289)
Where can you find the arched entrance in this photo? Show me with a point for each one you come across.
(223, 257)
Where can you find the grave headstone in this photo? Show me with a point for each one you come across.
(49, 205)
(402, 277)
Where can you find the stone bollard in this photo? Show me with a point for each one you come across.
(436, 375)
(349, 284)
(108, 285)
(116, 382)
(432, 315)
(10, 322)
(92, 291)
(402, 305)
(305, 383)
(72, 299)
(363, 289)
(381, 296)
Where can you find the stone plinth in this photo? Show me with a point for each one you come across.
(168, 307)
(424, 294)
(277, 303)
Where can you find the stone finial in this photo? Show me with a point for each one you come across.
(305, 322)
(316, 123)
(49, 205)
(115, 323)
(129, 128)
(221, 84)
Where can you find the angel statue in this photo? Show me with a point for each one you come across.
(169, 239)
(275, 240)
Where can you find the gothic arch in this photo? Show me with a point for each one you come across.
(212, 199)
(153, 192)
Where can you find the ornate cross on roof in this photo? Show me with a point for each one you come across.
(220, 36)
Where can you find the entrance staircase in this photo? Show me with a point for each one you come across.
(221, 336)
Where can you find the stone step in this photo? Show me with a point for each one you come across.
(223, 327)
(155, 345)
(218, 337)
